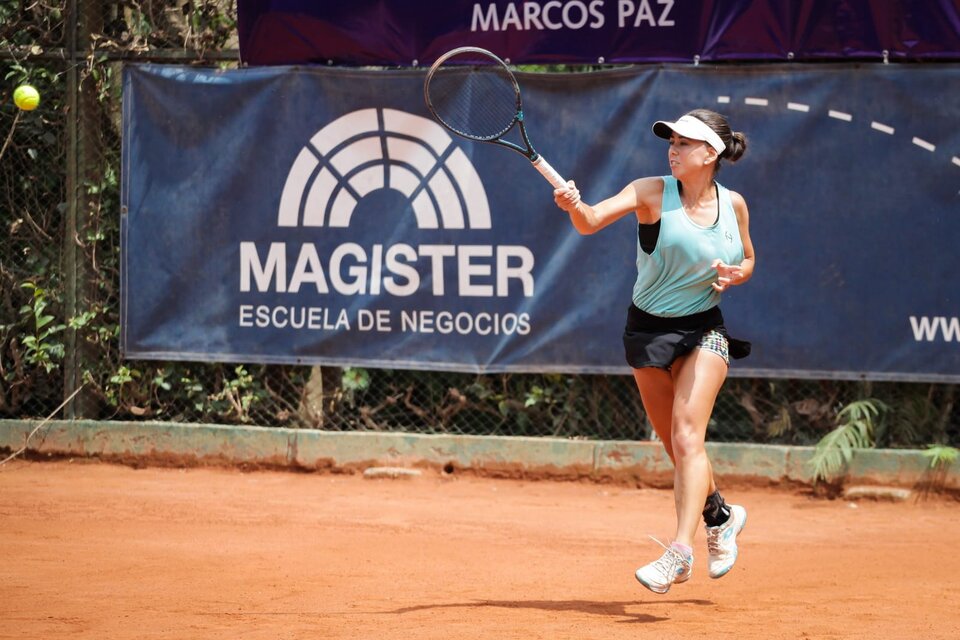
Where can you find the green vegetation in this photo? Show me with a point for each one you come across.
(59, 288)
(856, 429)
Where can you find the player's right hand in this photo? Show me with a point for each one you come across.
(568, 197)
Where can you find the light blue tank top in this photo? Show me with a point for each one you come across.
(675, 280)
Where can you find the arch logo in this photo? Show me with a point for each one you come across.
(372, 149)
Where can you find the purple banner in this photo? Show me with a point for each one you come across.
(399, 32)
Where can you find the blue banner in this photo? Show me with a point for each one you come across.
(399, 32)
(311, 215)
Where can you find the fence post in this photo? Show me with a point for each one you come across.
(82, 17)
(71, 372)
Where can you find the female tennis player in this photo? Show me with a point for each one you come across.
(693, 243)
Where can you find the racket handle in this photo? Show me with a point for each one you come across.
(549, 173)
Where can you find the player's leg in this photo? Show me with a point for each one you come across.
(697, 379)
(657, 392)
(723, 522)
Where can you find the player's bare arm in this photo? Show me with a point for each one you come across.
(729, 275)
(743, 222)
(641, 196)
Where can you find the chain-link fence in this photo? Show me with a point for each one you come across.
(59, 283)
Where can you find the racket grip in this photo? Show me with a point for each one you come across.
(549, 173)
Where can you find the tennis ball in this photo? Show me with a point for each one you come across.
(26, 97)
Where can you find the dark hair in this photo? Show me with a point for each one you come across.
(735, 141)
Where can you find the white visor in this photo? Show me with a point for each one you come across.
(690, 127)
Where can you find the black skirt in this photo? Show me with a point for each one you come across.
(654, 341)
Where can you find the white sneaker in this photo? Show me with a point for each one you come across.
(722, 542)
(671, 568)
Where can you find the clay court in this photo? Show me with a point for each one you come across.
(92, 550)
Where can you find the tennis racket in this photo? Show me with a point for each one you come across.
(471, 92)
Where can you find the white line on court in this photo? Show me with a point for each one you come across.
(757, 102)
(723, 99)
(882, 127)
(923, 144)
(796, 106)
(956, 161)
(840, 115)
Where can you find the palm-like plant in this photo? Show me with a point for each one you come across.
(856, 429)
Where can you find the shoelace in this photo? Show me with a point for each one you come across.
(713, 539)
(668, 562)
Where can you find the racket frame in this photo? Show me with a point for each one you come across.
(527, 150)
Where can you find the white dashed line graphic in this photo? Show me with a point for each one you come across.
(839, 115)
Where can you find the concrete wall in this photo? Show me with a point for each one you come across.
(641, 463)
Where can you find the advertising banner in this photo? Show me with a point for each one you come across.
(403, 33)
(313, 215)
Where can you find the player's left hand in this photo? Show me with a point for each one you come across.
(727, 275)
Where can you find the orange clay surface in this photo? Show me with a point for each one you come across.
(93, 550)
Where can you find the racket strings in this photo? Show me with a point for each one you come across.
(477, 102)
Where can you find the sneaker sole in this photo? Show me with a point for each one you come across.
(658, 590)
(727, 570)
